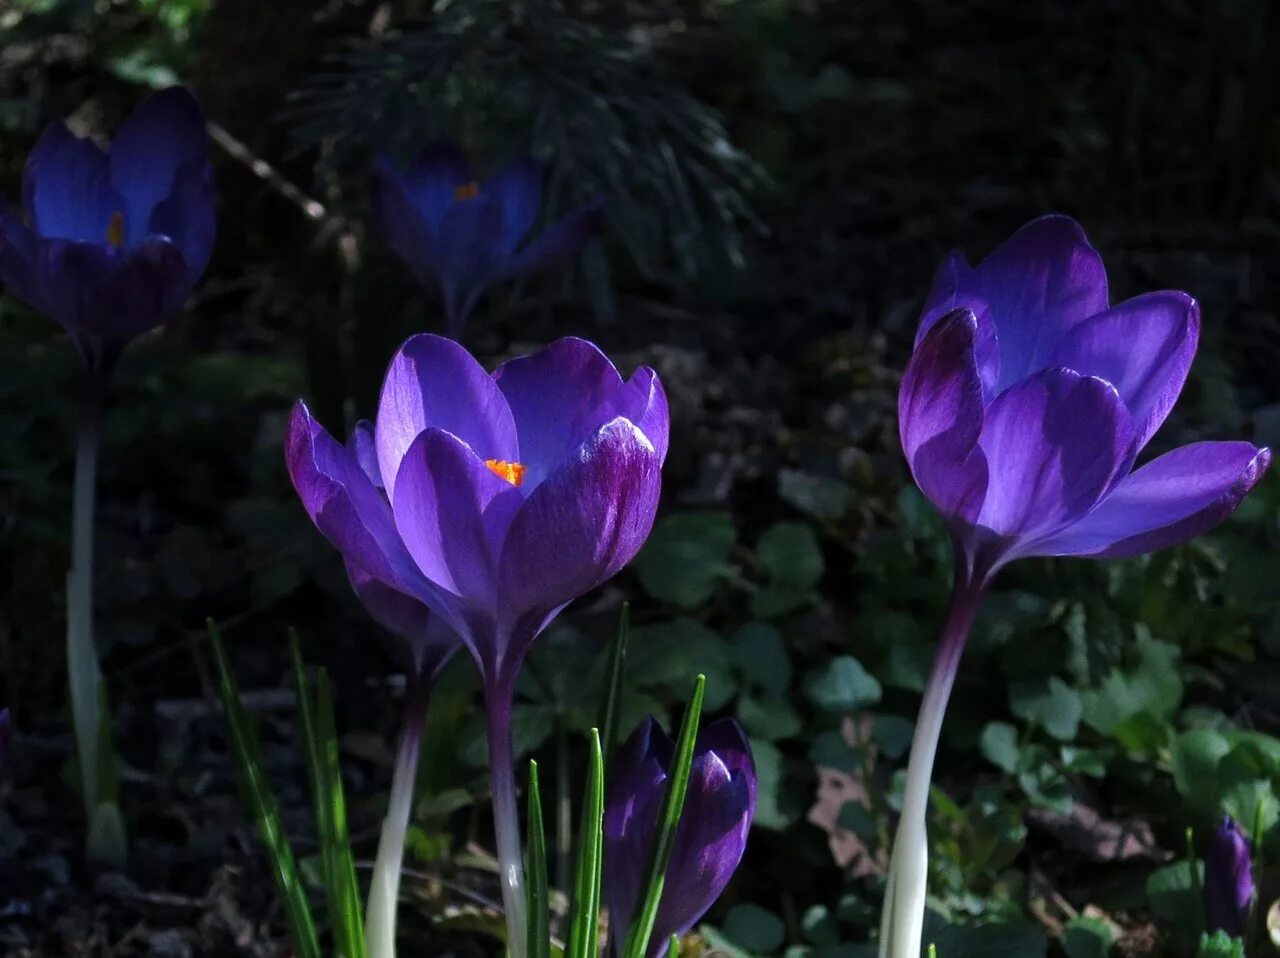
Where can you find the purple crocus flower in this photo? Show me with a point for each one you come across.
(710, 838)
(503, 497)
(463, 235)
(1025, 405)
(1029, 397)
(113, 240)
(1228, 880)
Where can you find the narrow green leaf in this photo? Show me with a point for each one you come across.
(673, 948)
(617, 657)
(672, 805)
(584, 914)
(338, 870)
(258, 793)
(536, 873)
(346, 909)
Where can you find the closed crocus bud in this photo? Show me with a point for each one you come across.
(463, 235)
(1228, 880)
(710, 838)
(113, 240)
(1029, 398)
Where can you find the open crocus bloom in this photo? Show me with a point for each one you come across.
(1029, 397)
(493, 500)
(710, 839)
(464, 235)
(114, 241)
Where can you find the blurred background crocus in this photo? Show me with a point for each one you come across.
(463, 235)
(113, 240)
(112, 243)
(1025, 404)
(1228, 880)
(710, 839)
(503, 497)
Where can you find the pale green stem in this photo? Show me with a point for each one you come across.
(384, 889)
(83, 672)
(902, 923)
(500, 703)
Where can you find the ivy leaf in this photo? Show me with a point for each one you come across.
(843, 685)
(686, 557)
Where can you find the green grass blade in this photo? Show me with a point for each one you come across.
(536, 873)
(337, 865)
(347, 911)
(584, 915)
(672, 805)
(617, 658)
(257, 792)
(673, 947)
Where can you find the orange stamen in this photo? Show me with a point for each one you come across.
(513, 472)
(115, 230)
(466, 191)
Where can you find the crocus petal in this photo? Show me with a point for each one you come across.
(728, 740)
(153, 143)
(1229, 887)
(453, 513)
(103, 293)
(1170, 500)
(518, 190)
(1143, 347)
(432, 179)
(1038, 285)
(954, 288)
(1054, 444)
(579, 527)
(364, 447)
(428, 639)
(67, 188)
(186, 216)
(561, 395)
(402, 224)
(709, 843)
(940, 416)
(433, 381)
(345, 506)
(558, 243)
(467, 255)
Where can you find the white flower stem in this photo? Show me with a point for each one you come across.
(902, 922)
(500, 704)
(384, 889)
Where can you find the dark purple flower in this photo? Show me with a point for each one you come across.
(113, 240)
(710, 838)
(493, 500)
(463, 235)
(1228, 880)
(1029, 397)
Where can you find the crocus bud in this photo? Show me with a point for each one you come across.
(710, 838)
(1228, 880)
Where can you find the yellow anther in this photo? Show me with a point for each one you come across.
(513, 472)
(466, 191)
(115, 230)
